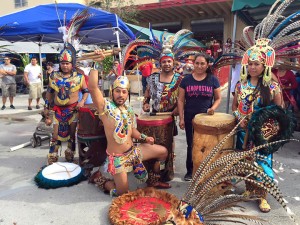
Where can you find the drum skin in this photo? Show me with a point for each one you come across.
(91, 139)
(209, 130)
(161, 129)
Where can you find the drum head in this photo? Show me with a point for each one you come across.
(143, 207)
(148, 117)
(147, 120)
(215, 120)
(270, 124)
(216, 124)
(59, 174)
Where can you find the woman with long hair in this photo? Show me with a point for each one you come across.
(199, 92)
(252, 93)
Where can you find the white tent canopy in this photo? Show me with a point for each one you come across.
(30, 47)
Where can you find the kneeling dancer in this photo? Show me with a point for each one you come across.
(123, 156)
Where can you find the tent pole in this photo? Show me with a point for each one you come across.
(118, 37)
(41, 64)
(119, 45)
(230, 74)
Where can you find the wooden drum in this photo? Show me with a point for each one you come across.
(209, 130)
(91, 138)
(161, 129)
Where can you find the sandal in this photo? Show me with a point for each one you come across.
(160, 185)
(247, 194)
(264, 205)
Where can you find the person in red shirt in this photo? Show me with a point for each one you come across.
(146, 70)
(287, 81)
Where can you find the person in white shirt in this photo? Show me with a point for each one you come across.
(236, 68)
(7, 73)
(32, 78)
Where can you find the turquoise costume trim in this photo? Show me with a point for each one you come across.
(123, 120)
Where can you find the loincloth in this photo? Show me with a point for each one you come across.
(126, 162)
(64, 116)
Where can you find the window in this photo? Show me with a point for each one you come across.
(20, 3)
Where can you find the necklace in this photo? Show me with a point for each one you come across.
(122, 121)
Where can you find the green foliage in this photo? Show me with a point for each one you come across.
(107, 64)
(25, 61)
(125, 9)
(3, 48)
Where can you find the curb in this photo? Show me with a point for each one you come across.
(23, 113)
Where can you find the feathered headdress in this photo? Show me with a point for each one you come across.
(276, 35)
(177, 47)
(70, 36)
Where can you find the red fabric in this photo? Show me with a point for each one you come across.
(86, 78)
(60, 108)
(119, 70)
(146, 69)
(145, 209)
(222, 74)
(86, 109)
(288, 80)
(165, 57)
(215, 47)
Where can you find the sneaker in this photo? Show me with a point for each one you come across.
(3, 107)
(12, 107)
(188, 177)
(29, 108)
(37, 106)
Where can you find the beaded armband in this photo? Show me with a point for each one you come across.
(143, 137)
(50, 90)
(47, 105)
(237, 115)
(85, 90)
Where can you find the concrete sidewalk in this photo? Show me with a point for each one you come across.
(21, 107)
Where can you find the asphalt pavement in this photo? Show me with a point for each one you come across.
(23, 203)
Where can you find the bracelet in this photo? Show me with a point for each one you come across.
(143, 137)
(47, 106)
(237, 115)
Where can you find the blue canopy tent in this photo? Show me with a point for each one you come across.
(40, 25)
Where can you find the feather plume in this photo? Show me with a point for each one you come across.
(72, 29)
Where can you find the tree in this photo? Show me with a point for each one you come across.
(125, 9)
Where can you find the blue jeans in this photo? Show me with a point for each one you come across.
(189, 139)
(144, 83)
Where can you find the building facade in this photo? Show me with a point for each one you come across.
(11, 6)
(208, 19)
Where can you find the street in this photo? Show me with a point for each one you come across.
(23, 203)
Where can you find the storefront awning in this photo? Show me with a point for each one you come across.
(244, 4)
(252, 12)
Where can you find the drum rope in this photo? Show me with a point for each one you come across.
(68, 172)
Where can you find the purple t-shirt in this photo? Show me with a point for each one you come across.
(199, 95)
